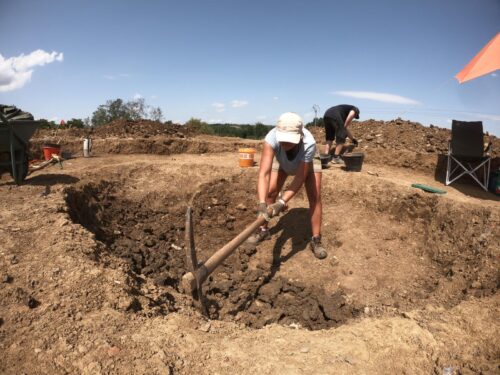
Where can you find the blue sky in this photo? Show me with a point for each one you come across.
(248, 61)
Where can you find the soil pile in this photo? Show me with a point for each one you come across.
(402, 134)
(134, 137)
(403, 143)
(120, 128)
(141, 129)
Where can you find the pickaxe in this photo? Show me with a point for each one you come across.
(192, 281)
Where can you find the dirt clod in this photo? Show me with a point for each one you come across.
(6, 279)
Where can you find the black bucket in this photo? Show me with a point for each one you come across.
(325, 159)
(354, 161)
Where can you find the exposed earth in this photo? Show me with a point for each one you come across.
(91, 258)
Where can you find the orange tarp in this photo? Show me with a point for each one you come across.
(486, 61)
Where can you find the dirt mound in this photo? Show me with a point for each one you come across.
(402, 134)
(119, 128)
(135, 137)
(403, 143)
(142, 128)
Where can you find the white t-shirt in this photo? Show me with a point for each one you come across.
(306, 152)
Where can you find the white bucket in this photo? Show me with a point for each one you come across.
(87, 147)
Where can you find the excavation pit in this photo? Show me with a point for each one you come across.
(251, 286)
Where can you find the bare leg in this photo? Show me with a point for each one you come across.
(313, 190)
(328, 146)
(338, 148)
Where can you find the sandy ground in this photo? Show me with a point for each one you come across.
(91, 256)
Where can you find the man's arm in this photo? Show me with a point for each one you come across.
(349, 118)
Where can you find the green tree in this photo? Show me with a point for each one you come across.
(156, 114)
(195, 125)
(75, 123)
(318, 121)
(260, 130)
(46, 124)
(112, 110)
(136, 109)
(118, 109)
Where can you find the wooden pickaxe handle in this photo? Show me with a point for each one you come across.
(198, 276)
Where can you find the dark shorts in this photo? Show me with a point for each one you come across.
(334, 129)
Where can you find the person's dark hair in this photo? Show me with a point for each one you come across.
(356, 109)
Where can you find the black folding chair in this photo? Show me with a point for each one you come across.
(466, 152)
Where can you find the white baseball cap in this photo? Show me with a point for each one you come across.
(289, 128)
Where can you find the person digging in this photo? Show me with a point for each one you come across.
(289, 150)
(337, 120)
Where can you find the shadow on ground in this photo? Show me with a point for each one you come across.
(51, 179)
(466, 185)
(295, 225)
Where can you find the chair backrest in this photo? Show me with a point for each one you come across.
(467, 139)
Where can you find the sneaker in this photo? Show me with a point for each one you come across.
(337, 160)
(317, 249)
(258, 237)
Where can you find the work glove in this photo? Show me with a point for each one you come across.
(355, 142)
(262, 211)
(278, 207)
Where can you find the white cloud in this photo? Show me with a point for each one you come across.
(239, 103)
(38, 57)
(377, 96)
(137, 96)
(494, 75)
(15, 72)
(276, 98)
(219, 107)
(112, 77)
